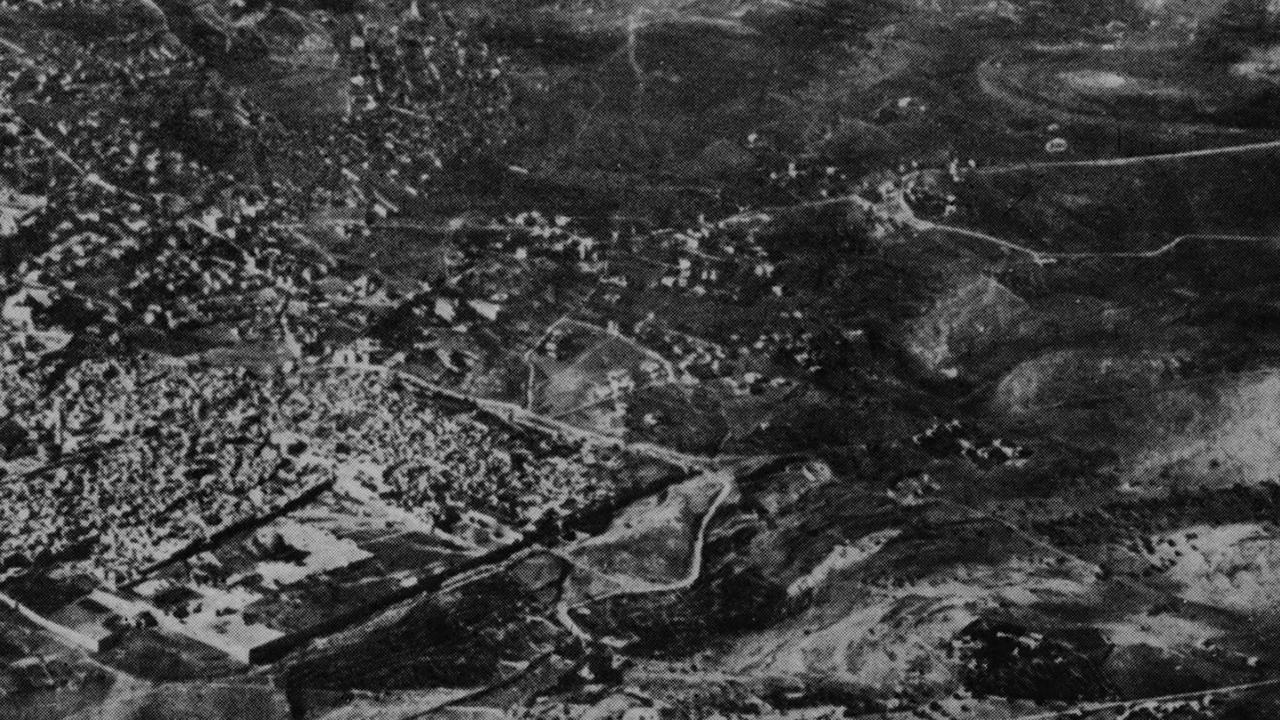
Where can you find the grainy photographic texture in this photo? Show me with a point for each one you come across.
(639, 359)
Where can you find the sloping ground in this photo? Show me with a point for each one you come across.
(1166, 425)
(1074, 376)
(969, 319)
(196, 701)
(43, 680)
(897, 642)
(1114, 210)
(995, 615)
(1101, 86)
(653, 545)
(596, 21)
(589, 370)
(1229, 566)
(1225, 439)
(286, 61)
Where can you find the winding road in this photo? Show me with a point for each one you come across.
(640, 587)
(1134, 160)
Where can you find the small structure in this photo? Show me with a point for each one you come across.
(16, 209)
(80, 623)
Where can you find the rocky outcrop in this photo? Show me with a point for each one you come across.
(1067, 378)
(1226, 436)
(971, 317)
